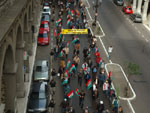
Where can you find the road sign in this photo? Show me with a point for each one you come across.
(74, 31)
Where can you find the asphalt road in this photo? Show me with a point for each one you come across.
(43, 53)
(129, 46)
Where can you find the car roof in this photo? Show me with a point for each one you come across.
(128, 6)
(42, 31)
(46, 7)
(41, 63)
(44, 22)
(39, 86)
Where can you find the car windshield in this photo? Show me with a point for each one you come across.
(129, 8)
(138, 16)
(41, 69)
(43, 35)
(37, 95)
(45, 25)
(46, 10)
(45, 18)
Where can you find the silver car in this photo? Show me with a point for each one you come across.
(136, 18)
(41, 71)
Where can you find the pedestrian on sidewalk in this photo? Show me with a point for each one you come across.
(51, 105)
(53, 85)
(80, 74)
(110, 49)
(52, 54)
(81, 98)
(53, 73)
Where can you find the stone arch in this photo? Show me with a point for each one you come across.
(19, 60)
(30, 12)
(8, 78)
(25, 24)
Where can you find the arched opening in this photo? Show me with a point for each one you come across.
(19, 59)
(8, 80)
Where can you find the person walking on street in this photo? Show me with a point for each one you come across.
(71, 110)
(100, 107)
(53, 85)
(106, 88)
(120, 110)
(110, 49)
(115, 105)
(53, 73)
(76, 60)
(81, 98)
(51, 106)
(64, 104)
(56, 50)
(86, 110)
(80, 74)
(66, 49)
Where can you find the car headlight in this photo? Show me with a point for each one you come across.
(30, 110)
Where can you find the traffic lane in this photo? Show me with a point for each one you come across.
(127, 47)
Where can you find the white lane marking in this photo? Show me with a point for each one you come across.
(133, 111)
(148, 28)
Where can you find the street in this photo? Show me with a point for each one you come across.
(128, 47)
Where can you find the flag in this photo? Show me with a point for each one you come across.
(72, 67)
(68, 64)
(109, 74)
(63, 38)
(72, 13)
(67, 43)
(64, 81)
(70, 94)
(58, 21)
(54, 33)
(68, 21)
(61, 53)
(89, 84)
(66, 74)
(68, 16)
(74, 40)
(60, 35)
(77, 92)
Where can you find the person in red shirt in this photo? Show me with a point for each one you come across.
(98, 59)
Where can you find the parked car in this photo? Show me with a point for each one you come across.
(119, 2)
(127, 10)
(46, 9)
(136, 18)
(41, 71)
(43, 38)
(38, 98)
(44, 26)
(45, 18)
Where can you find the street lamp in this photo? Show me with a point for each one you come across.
(98, 3)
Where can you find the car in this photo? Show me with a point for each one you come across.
(119, 2)
(127, 10)
(41, 71)
(44, 26)
(136, 18)
(45, 18)
(43, 38)
(38, 98)
(46, 9)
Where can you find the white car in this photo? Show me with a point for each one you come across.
(46, 10)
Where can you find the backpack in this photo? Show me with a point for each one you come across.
(94, 70)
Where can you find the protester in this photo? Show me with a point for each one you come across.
(81, 98)
(86, 110)
(80, 74)
(115, 105)
(100, 107)
(76, 60)
(53, 85)
(106, 88)
(110, 49)
(64, 104)
(51, 106)
(120, 110)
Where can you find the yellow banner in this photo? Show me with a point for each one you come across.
(74, 31)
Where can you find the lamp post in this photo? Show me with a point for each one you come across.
(98, 3)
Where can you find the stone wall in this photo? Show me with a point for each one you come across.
(4, 5)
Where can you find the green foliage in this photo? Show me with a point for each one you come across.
(98, 30)
(117, 92)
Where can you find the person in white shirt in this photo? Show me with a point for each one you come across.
(110, 49)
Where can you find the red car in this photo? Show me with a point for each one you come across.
(43, 38)
(44, 26)
(127, 10)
